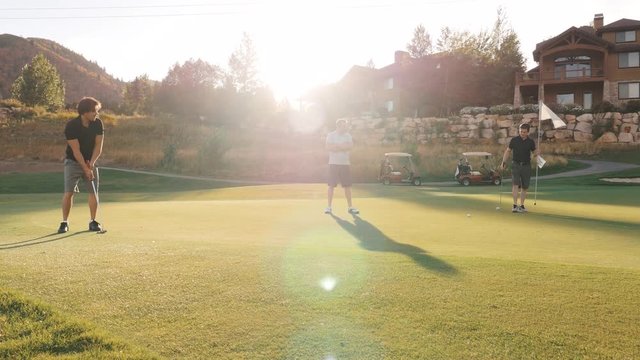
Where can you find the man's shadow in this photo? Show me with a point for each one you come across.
(372, 239)
(39, 240)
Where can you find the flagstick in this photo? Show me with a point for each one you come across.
(535, 198)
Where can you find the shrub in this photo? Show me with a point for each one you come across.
(168, 161)
(11, 103)
(529, 108)
(632, 106)
(557, 108)
(502, 109)
(604, 107)
(473, 110)
(574, 109)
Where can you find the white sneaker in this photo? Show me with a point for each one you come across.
(327, 210)
(354, 211)
(522, 209)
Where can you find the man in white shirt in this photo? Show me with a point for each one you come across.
(339, 143)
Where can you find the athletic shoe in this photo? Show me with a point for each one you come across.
(95, 226)
(515, 208)
(327, 210)
(522, 209)
(64, 227)
(354, 211)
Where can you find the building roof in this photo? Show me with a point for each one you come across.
(622, 24)
(572, 30)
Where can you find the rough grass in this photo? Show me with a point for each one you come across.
(30, 330)
(260, 272)
(266, 154)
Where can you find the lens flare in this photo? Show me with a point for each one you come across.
(328, 283)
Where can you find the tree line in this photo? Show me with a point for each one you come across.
(197, 89)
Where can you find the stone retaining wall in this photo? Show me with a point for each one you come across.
(606, 128)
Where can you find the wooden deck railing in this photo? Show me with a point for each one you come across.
(564, 75)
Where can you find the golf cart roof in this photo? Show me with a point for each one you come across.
(399, 154)
(477, 153)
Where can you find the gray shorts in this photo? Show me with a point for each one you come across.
(339, 174)
(521, 174)
(73, 174)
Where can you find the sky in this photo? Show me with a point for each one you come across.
(300, 44)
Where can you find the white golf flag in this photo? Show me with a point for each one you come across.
(547, 114)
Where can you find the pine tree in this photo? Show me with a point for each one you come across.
(420, 44)
(39, 84)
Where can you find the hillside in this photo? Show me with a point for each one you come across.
(81, 76)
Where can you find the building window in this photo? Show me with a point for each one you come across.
(389, 106)
(565, 99)
(629, 60)
(573, 67)
(587, 101)
(388, 85)
(629, 90)
(625, 36)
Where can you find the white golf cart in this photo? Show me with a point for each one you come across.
(486, 173)
(398, 168)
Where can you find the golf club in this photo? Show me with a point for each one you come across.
(95, 192)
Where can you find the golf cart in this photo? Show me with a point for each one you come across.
(485, 173)
(398, 167)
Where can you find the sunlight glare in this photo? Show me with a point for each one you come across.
(308, 119)
(328, 283)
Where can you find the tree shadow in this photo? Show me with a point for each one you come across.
(39, 240)
(372, 239)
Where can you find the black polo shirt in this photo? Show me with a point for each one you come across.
(522, 149)
(86, 136)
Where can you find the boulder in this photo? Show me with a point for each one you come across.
(585, 127)
(504, 141)
(488, 123)
(505, 123)
(585, 117)
(487, 133)
(607, 137)
(563, 135)
(582, 137)
(625, 138)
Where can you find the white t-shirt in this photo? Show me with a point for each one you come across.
(339, 157)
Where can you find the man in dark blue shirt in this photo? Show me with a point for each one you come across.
(522, 147)
(84, 136)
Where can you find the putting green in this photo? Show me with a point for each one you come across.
(260, 272)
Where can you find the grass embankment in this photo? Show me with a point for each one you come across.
(269, 153)
(30, 330)
(193, 270)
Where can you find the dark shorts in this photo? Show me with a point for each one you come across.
(521, 174)
(340, 174)
(73, 174)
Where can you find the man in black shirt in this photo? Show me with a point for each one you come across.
(84, 136)
(522, 147)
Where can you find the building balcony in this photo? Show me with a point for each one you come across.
(560, 77)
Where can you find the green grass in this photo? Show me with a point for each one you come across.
(189, 269)
(30, 330)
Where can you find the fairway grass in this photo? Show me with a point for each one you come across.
(258, 272)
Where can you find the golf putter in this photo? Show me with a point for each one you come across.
(95, 192)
